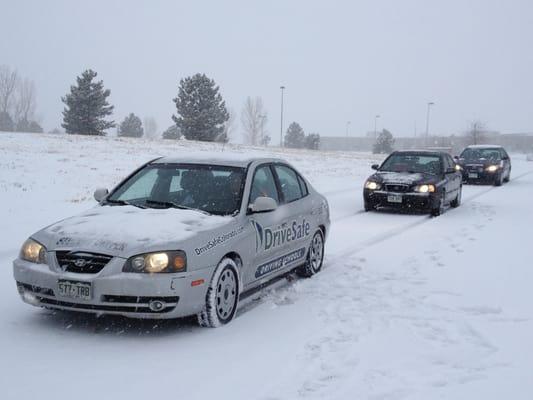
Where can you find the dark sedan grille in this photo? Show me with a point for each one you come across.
(396, 187)
(81, 262)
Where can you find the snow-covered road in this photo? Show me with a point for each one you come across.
(407, 307)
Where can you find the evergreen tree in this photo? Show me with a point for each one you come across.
(131, 127)
(295, 136)
(312, 141)
(384, 143)
(6, 123)
(202, 112)
(173, 132)
(87, 107)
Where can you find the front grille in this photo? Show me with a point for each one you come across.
(81, 262)
(396, 187)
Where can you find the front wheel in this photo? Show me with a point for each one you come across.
(499, 180)
(315, 256)
(439, 208)
(222, 296)
(457, 201)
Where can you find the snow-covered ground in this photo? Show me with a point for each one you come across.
(407, 307)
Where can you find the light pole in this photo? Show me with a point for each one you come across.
(376, 126)
(427, 123)
(262, 118)
(348, 127)
(281, 127)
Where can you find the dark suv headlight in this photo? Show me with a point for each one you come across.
(161, 261)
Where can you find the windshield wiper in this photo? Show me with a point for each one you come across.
(171, 204)
(124, 203)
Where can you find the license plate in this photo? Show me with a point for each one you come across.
(394, 198)
(472, 175)
(74, 290)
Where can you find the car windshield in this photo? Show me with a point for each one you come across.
(208, 188)
(477, 154)
(414, 163)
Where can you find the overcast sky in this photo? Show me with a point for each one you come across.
(339, 60)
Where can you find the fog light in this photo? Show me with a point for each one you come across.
(156, 305)
(30, 298)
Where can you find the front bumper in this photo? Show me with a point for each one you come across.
(410, 200)
(115, 292)
(480, 175)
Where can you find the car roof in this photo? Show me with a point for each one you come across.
(421, 152)
(484, 146)
(227, 160)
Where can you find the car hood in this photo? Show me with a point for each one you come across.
(126, 230)
(403, 178)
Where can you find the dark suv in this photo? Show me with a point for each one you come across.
(485, 164)
(419, 180)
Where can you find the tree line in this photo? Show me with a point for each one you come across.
(17, 102)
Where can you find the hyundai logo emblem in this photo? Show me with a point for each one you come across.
(80, 262)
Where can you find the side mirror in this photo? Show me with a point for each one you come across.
(375, 166)
(456, 158)
(100, 194)
(263, 204)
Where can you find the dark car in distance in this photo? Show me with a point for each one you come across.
(414, 180)
(485, 164)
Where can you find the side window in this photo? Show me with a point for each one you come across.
(504, 154)
(288, 180)
(263, 184)
(303, 186)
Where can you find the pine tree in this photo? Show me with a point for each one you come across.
(6, 123)
(202, 112)
(87, 107)
(295, 136)
(172, 132)
(131, 127)
(384, 143)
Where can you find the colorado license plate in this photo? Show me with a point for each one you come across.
(74, 290)
(394, 198)
(472, 175)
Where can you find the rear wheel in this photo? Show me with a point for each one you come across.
(315, 256)
(222, 296)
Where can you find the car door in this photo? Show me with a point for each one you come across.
(452, 177)
(264, 224)
(506, 163)
(298, 221)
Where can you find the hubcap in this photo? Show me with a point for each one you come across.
(226, 294)
(317, 248)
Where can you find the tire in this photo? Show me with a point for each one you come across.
(499, 180)
(315, 256)
(508, 178)
(435, 212)
(222, 298)
(457, 201)
(369, 207)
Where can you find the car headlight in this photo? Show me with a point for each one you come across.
(458, 167)
(492, 168)
(33, 251)
(371, 185)
(425, 188)
(164, 261)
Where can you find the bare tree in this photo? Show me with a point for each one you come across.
(476, 132)
(150, 127)
(229, 126)
(8, 84)
(253, 118)
(25, 102)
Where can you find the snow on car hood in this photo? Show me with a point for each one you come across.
(119, 230)
(405, 178)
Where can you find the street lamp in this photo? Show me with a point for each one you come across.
(376, 126)
(262, 119)
(281, 127)
(348, 127)
(427, 122)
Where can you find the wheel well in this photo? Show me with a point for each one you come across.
(323, 229)
(235, 257)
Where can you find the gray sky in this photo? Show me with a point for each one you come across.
(340, 60)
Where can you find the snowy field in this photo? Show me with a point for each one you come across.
(407, 307)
